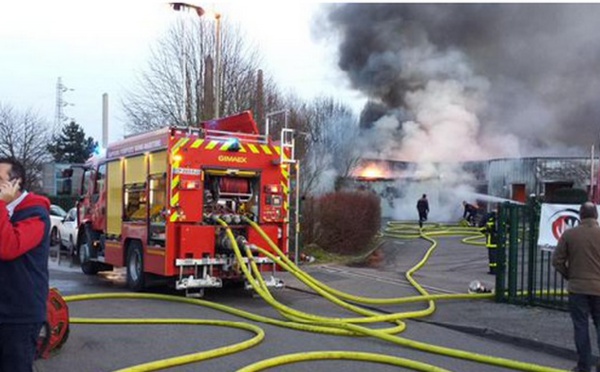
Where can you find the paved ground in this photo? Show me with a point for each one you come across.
(450, 270)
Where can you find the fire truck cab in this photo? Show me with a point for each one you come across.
(151, 204)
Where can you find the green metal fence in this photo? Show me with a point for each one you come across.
(525, 274)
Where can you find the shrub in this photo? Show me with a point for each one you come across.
(341, 222)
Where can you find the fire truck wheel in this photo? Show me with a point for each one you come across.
(88, 267)
(135, 267)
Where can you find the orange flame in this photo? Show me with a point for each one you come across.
(372, 171)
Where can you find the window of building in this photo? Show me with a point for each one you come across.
(62, 184)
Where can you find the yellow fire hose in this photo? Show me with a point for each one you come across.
(348, 355)
(302, 321)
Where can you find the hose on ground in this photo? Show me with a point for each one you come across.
(298, 320)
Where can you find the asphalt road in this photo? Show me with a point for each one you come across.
(97, 348)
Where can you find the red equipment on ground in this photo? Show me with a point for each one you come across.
(55, 331)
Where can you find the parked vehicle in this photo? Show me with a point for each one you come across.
(67, 231)
(57, 214)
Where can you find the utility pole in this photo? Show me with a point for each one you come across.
(217, 65)
(200, 11)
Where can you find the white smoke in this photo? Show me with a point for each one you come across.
(445, 203)
(445, 131)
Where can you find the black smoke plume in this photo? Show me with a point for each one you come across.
(503, 79)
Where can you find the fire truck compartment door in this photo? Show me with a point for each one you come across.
(197, 241)
(190, 203)
(271, 231)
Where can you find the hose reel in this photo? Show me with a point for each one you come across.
(55, 331)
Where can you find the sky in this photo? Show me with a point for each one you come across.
(431, 82)
(101, 48)
(499, 80)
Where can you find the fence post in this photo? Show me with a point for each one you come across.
(501, 254)
(532, 219)
(513, 245)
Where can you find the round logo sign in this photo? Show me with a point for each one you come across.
(563, 220)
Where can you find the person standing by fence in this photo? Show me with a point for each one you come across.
(577, 259)
(423, 208)
(489, 225)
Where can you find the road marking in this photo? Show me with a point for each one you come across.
(393, 281)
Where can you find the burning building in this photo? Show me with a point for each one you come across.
(495, 180)
(464, 100)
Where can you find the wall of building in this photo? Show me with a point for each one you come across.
(537, 175)
(54, 183)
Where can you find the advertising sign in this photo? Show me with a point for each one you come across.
(555, 219)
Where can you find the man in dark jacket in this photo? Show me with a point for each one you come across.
(423, 208)
(577, 258)
(24, 246)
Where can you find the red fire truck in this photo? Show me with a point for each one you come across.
(152, 202)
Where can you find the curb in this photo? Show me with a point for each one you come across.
(492, 334)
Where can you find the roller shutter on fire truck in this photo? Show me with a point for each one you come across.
(114, 198)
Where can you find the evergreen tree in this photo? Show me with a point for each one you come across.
(71, 145)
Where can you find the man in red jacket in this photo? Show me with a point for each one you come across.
(24, 246)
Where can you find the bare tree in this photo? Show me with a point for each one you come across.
(326, 142)
(177, 85)
(24, 136)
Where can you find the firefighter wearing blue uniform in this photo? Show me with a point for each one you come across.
(489, 225)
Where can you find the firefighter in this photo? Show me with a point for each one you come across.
(489, 225)
(423, 209)
(470, 211)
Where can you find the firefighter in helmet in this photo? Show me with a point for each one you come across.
(489, 226)
(470, 212)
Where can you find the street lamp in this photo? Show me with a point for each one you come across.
(181, 6)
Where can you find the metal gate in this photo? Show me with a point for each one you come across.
(525, 274)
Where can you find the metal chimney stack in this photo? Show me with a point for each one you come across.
(104, 120)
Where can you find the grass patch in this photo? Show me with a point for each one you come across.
(358, 258)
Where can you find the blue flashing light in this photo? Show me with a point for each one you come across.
(233, 144)
(99, 151)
